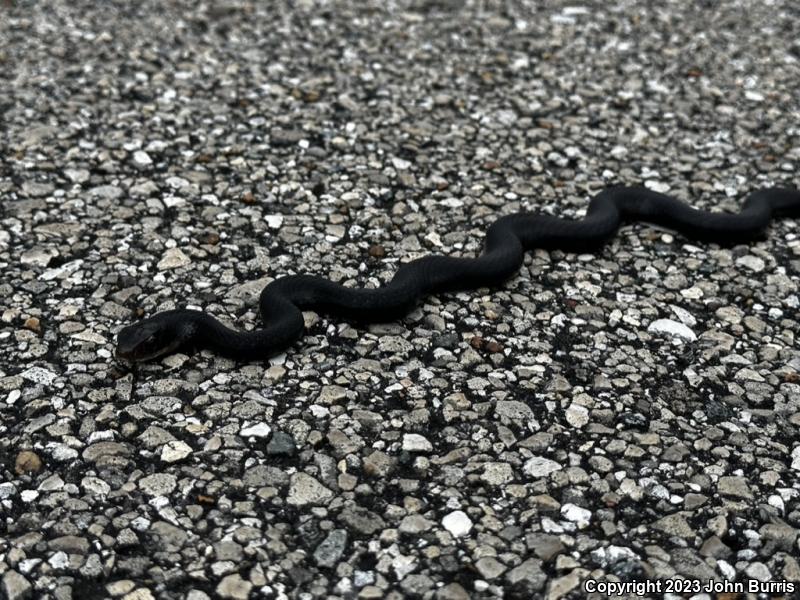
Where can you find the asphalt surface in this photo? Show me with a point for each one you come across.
(630, 415)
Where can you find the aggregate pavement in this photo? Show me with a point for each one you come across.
(631, 414)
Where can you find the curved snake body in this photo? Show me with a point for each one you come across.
(283, 300)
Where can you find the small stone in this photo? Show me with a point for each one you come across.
(233, 587)
(413, 442)
(734, 486)
(342, 444)
(27, 461)
(414, 524)
(611, 555)
(158, 484)
(560, 587)
(330, 551)
(513, 410)
(332, 393)
(228, 550)
(304, 490)
(657, 186)
(673, 329)
(781, 534)
(729, 314)
(715, 547)
(38, 375)
(16, 587)
(416, 584)
(490, 568)
(497, 473)
(261, 430)
(175, 451)
(759, 571)
(141, 159)
(261, 475)
(285, 137)
(457, 523)
(121, 587)
(97, 452)
(274, 221)
(77, 175)
(676, 525)
(177, 183)
(394, 344)
(749, 261)
(379, 464)
(209, 237)
(452, 591)
(577, 415)
(403, 565)
(796, 458)
(527, 578)
(576, 514)
(33, 324)
(281, 444)
(538, 466)
(53, 483)
(95, 486)
(361, 520)
(71, 544)
(106, 192)
(174, 258)
(59, 560)
(40, 257)
(545, 545)
(36, 189)
(400, 164)
(692, 501)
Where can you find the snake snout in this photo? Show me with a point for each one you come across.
(142, 341)
(153, 337)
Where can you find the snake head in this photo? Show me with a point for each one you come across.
(151, 338)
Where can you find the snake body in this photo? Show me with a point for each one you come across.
(283, 300)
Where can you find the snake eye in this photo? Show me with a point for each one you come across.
(142, 341)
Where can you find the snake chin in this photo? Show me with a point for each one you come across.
(150, 339)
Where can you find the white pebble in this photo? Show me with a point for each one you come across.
(657, 186)
(539, 466)
(29, 495)
(413, 442)
(672, 329)
(95, 486)
(175, 450)
(754, 263)
(274, 221)
(796, 458)
(59, 560)
(400, 164)
(38, 375)
(257, 430)
(457, 523)
(576, 514)
(142, 159)
(577, 415)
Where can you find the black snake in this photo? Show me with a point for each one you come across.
(506, 240)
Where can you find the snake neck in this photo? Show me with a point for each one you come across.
(211, 334)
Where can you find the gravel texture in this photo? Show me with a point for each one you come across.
(626, 415)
